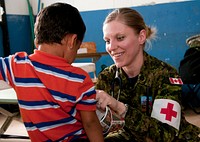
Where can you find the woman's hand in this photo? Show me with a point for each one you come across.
(104, 99)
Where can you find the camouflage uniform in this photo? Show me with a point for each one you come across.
(153, 81)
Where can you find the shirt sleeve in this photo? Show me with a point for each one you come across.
(87, 99)
(5, 68)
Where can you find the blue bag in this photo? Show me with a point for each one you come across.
(191, 96)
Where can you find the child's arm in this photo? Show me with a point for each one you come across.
(92, 126)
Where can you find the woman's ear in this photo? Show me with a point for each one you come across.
(142, 36)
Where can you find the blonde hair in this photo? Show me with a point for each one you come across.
(133, 19)
(151, 35)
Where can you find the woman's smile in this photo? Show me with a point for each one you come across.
(117, 55)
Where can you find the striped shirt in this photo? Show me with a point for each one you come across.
(50, 95)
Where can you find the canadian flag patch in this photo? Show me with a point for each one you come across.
(167, 111)
(176, 81)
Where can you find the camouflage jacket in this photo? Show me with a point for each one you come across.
(153, 81)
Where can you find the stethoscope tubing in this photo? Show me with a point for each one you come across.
(118, 80)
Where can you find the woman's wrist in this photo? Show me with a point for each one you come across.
(121, 109)
(123, 114)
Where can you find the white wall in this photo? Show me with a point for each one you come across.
(20, 7)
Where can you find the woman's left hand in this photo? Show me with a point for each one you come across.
(104, 99)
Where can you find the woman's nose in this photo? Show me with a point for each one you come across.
(112, 45)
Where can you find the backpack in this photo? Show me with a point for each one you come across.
(189, 68)
(189, 71)
(191, 96)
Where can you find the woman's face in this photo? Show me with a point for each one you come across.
(122, 43)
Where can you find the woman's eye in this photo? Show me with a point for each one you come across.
(120, 38)
(107, 41)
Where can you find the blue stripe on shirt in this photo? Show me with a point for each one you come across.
(62, 97)
(28, 82)
(7, 62)
(58, 72)
(43, 126)
(2, 69)
(5, 66)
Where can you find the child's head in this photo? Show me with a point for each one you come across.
(54, 22)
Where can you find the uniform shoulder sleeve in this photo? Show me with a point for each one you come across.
(105, 78)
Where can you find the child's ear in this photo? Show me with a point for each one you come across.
(70, 40)
(74, 39)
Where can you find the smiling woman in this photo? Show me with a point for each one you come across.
(149, 87)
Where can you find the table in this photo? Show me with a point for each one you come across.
(7, 96)
(88, 67)
(95, 56)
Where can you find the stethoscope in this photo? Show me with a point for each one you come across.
(116, 80)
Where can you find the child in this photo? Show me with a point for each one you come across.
(56, 100)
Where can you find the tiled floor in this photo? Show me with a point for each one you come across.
(17, 128)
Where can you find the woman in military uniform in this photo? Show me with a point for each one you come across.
(140, 88)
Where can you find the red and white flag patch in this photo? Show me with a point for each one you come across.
(176, 81)
(167, 111)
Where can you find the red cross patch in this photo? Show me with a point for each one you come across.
(167, 111)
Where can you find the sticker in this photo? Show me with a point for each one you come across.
(144, 103)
